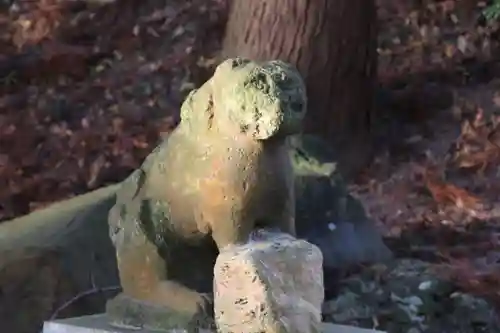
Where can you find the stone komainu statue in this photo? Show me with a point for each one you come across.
(224, 171)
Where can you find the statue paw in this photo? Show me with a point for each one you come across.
(126, 312)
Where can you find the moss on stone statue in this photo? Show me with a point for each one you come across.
(260, 98)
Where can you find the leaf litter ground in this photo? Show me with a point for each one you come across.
(87, 89)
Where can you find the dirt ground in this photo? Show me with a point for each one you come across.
(86, 90)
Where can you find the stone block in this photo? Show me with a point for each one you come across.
(96, 324)
(99, 324)
(272, 284)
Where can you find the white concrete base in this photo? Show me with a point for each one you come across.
(99, 324)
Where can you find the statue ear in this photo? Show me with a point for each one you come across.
(197, 108)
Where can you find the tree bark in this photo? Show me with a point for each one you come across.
(333, 45)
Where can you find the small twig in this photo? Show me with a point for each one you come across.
(81, 295)
(94, 290)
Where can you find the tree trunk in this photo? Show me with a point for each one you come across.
(333, 45)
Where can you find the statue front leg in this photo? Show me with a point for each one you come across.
(234, 224)
(234, 230)
(284, 219)
(149, 298)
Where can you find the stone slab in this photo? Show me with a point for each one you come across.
(98, 324)
(91, 324)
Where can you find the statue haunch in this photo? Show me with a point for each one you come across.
(224, 171)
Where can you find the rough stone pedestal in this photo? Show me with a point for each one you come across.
(99, 324)
(272, 284)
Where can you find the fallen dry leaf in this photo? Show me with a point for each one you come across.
(95, 170)
(446, 193)
(478, 145)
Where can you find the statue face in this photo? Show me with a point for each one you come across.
(261, 100)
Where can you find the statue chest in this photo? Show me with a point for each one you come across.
(246, 175)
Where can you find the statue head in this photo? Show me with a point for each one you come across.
(262, 100)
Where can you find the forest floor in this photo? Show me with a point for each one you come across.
(87, 89)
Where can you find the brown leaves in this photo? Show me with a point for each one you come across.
(431, 36)
(479, 143)
(446, 194)
(37, 23)
(478, 278)
(71, 120)
(95, 170)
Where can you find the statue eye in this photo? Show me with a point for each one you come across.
(260, 77)
(260, 81)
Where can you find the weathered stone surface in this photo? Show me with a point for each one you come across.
(31, 282)
(50, 256)
(221, 173)
(134, 313)
(273, 284)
